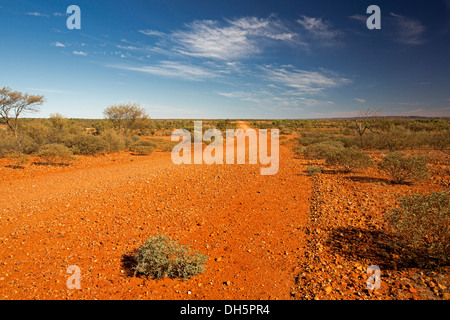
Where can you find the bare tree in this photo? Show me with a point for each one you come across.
(13, 104)
(125, 116)
(365, 121)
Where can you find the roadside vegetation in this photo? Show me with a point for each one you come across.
(58, 140)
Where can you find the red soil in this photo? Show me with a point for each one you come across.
(97, 211)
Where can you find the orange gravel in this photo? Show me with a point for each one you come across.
(94, 213)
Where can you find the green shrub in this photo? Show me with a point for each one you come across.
(440, 140)
(404, 169)
(114, 141)
(323, 150)
(19, 159)
(349, 159)
(55, 153)
(312, 171)
(142, 147)
(38, 132)
(298, 150)
(87, 144)
(8, 143)
(162, 257)
(423, 221)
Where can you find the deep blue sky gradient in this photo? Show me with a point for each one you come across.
(229, 59)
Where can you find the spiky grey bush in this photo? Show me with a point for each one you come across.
(161, 257)
(423, 221)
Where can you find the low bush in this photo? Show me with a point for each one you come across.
(55, 153)
(87, 144)
(8, 143)
(349, 159)
(18, 159)
(423, 222)
(403, 169)
(312, 171)
(161, 257)
(114, 141)
(142, 147)
(323, 150)
(440, 140)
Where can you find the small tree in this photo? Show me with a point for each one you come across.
(126, 116)
(13, 104)
(365, 121)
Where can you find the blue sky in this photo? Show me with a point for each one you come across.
(229, 59)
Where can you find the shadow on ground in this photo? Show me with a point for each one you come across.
(128, 263)
(369, 180)
(377, 246)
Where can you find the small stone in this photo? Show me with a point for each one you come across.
(328, 289)
(228, 282)
(412, 290)
(218, 259)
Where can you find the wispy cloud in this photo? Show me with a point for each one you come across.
(49, 90)
(59, 44)
(359, 17)
(37, 14)
(408, 31)
(233, 39)
(303, 81)
(171, 69)
(360, 100)
(127, 47)
(320, 29)
(79, 53)
(59, 14)
(149, 32)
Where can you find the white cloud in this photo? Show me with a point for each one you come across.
(359, 17)
(37, 14)
(59, 44)
(409, 31)
(302, 81)
(48, 90)
(127, 47)
(59, 14)
(171, 69)
(79, 53)
(234, 39)
(149, 32)
(318, 28)
(360, 100)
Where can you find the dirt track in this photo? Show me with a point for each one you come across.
(92, 214)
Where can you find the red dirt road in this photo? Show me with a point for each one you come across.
(95, 212)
